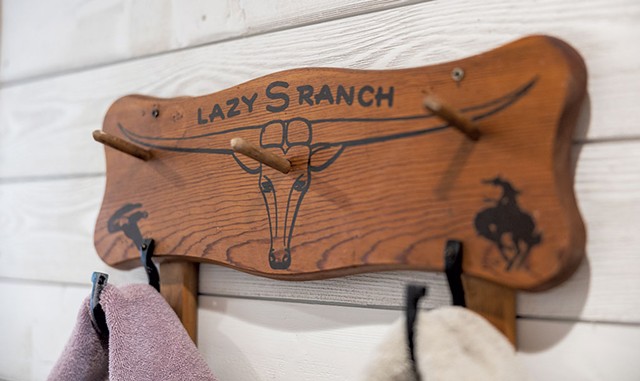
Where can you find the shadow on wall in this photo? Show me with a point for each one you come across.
(583, 123)
(568, 299)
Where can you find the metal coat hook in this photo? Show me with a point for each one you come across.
(146, 253)
(98, 318)
(413, 295)
(99, 282)
(126, 220)
(453, 269)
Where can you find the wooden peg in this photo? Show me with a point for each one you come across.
(453, 116)
(265, 157)
(121, 145)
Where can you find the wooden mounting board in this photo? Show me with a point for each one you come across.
(378, 182)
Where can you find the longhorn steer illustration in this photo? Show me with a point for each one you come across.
(283, 194)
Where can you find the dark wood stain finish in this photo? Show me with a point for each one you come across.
(377, 181)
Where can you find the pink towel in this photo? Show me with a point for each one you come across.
(146, 341)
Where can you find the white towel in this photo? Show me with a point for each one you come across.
(451, 343)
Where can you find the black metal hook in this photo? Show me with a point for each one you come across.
(453, 269)
(98, 319)
(412, 296)
(146, 253)
(99, 282)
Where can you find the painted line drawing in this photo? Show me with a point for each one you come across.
(283, 202)
(126, 220)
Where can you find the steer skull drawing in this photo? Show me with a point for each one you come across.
(283, 194)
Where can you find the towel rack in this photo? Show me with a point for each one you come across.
(320, 172)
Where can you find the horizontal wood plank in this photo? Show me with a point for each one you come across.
(46, 232)
(607, 179)
(565, 350)
(57, 217)
(35, 324)
(268, 340)
(74, 35)
(380, 290)
(287, 341)
(45, 125)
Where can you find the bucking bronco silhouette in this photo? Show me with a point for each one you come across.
(283, 194)
(506, 219)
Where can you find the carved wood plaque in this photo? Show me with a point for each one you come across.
(377, 181)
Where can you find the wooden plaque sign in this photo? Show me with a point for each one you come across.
(376, 181)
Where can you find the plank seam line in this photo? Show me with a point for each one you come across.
(569, 320)
(45, 282)
(400, 308)
(607, 139)
(47, 178)
(87, 285)
(60, 73)
(311, 302)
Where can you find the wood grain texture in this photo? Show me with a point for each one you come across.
(69, 107)
(121, 145)
(74, 35)
(53, 217)
(261, 155)
(606, 187)
(179, 287)
(57, 217)
(450, 114)
(493, 302)
(377, 182)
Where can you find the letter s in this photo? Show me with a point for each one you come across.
(278, 95)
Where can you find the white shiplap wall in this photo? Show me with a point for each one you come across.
(62, 64)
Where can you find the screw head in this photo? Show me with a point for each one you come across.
(457, 74)
(155, 112)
